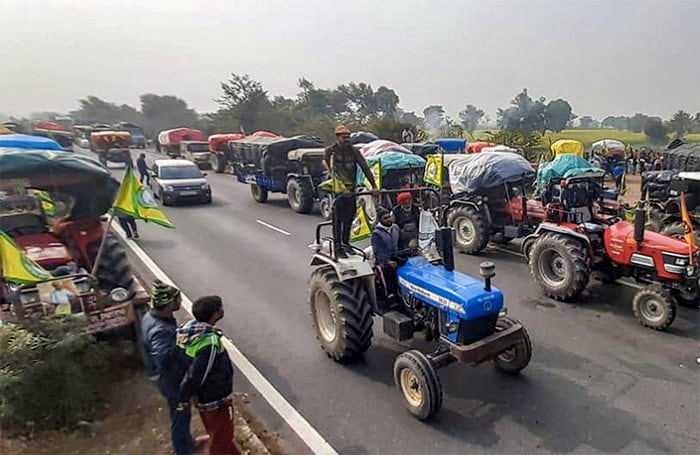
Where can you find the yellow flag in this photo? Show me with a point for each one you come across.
(376, 169)
(46, 202)
(688, 229)
(136, 200)
(434, 172)
(16, 267)
(360, 226)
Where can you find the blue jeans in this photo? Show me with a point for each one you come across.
(179, 425)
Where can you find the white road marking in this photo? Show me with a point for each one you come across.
(274, 228)
(294, 419)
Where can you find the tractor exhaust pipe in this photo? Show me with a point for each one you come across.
(640, 220)
(487, 270)
(448, 255)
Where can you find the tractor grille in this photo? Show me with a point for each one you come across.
(471, 330)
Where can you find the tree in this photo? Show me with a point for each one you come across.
(387, 102)
(470, 117)
(524, 114)
(245, 102)
(615, 122)
(587, 122)
(680, 123)
(434, 116)
(695, 125)
(162, 112)
(558, 115)
(655, 130)
(637, 122)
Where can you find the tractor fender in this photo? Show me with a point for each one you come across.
(476, 205)
(549, 227)
(293, 175)
(351, 269)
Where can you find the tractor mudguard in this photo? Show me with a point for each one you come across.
(550, 227)
(346, 269)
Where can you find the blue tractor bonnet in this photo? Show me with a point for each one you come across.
(461, 296)
(26, 141)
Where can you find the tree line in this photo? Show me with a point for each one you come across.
(244, 105)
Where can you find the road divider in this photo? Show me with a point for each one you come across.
(306, 432)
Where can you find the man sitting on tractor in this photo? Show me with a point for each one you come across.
(341, 160)
(406, 216)
(385, 245)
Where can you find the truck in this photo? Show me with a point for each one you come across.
(138, 139)
(288, 165)
(169, 140)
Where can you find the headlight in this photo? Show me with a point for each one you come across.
(682, 261)
(167, 187)
(82, 286)
(205, 186)
(29, 296)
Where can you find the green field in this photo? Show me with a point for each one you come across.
(588, 137)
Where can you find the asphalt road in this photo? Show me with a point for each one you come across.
(598, 381)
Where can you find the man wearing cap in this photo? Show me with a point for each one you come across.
(341, 161)
(167, 364)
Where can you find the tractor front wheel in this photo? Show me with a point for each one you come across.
(415, 376)
(517, 357)
(471, 229)
(114, 270)
(217, 163)
(560, 266)
(342, 315)
(654, 307)
(259, 193)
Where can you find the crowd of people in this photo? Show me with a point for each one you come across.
(643, 160)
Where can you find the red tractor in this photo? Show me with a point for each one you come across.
(51, 206)
(572, 243)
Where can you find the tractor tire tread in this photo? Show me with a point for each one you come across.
(581, 267)
(481, 234)
(665, 295)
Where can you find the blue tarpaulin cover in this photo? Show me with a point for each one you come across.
(25, 141)
(562, 167)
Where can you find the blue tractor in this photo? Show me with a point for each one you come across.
(463, 316)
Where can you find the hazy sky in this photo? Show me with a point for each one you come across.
(605, 57)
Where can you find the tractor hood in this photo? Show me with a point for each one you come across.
(44, 249)
(622, 233)
(76, 176)
(452, 291)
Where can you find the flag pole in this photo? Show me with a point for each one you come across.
(100, 251)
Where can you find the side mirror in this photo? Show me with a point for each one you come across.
(204, 174)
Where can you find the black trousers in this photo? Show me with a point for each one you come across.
(129, 225)
(344, 208)
(144, 174)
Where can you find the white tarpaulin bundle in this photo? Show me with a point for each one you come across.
(611, 144)
(478, 171)
(374, 148)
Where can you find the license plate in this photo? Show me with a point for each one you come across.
(188, 193)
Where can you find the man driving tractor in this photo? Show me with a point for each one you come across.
(340, 161)
(385, 245)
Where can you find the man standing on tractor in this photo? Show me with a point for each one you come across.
(167, 364)
(341, 160)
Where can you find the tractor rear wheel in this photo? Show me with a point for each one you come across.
(217, 163)
(560, 266)
(471, 229)
(342, 315)
(301, 195)
(654, 307)
(415, 376)
(114, 270)
(677, 230)
(259, 193)
(513, 360)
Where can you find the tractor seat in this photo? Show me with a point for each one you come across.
(27, 223)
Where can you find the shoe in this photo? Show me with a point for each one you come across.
(340, 252)
(201, 443)
(136, 235)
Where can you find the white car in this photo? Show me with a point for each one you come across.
(179, 180)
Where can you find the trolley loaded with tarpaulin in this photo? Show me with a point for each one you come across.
(474, 172)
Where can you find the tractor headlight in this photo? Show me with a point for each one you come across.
(29, 296)
(167, 188)
(205, 186)
(682, 261)
(690, 270)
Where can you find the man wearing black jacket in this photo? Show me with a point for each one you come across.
(209, 379)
